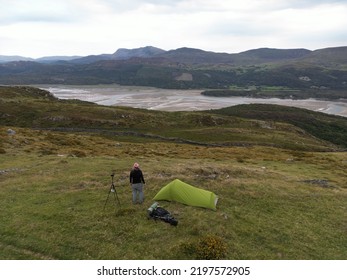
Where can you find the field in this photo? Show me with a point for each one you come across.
(282, 192)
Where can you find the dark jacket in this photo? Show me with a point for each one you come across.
(136, 176)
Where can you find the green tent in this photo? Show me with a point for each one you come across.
(187, 194)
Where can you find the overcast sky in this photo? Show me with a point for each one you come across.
(37, 28)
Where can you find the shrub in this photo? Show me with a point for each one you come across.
(211, 247)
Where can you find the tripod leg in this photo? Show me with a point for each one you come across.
(115, 194)
(107, 199)
(117, 198)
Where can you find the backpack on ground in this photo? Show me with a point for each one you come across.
(159, 213)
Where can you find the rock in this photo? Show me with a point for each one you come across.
(321, 182)
(11, 131)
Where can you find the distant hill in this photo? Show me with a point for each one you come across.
(327, 56)
(139, 52)
(9, 58)
(121, 54)
(50, 59)
(330, 57)
(251, 57)
(45, 59)
(266, 55)
(197, 56)
(149, 66)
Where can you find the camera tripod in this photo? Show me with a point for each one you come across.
(113, 190)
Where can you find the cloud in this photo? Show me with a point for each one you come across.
(120, 5)
(23, 11)
(312, 26)
(101, 26)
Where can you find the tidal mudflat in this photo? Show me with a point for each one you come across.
(178, 100)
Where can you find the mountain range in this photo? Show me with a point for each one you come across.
(121, 53)
(192, 55)
(186, 68)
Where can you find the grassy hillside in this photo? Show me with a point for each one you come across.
(328, 127)
(29, 107)
(280, 196)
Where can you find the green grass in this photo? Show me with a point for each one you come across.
(325, 127)
(52, 205)
(267, 174)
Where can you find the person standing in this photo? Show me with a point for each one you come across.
(137, 182)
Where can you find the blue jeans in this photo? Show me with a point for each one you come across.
(137, 191)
